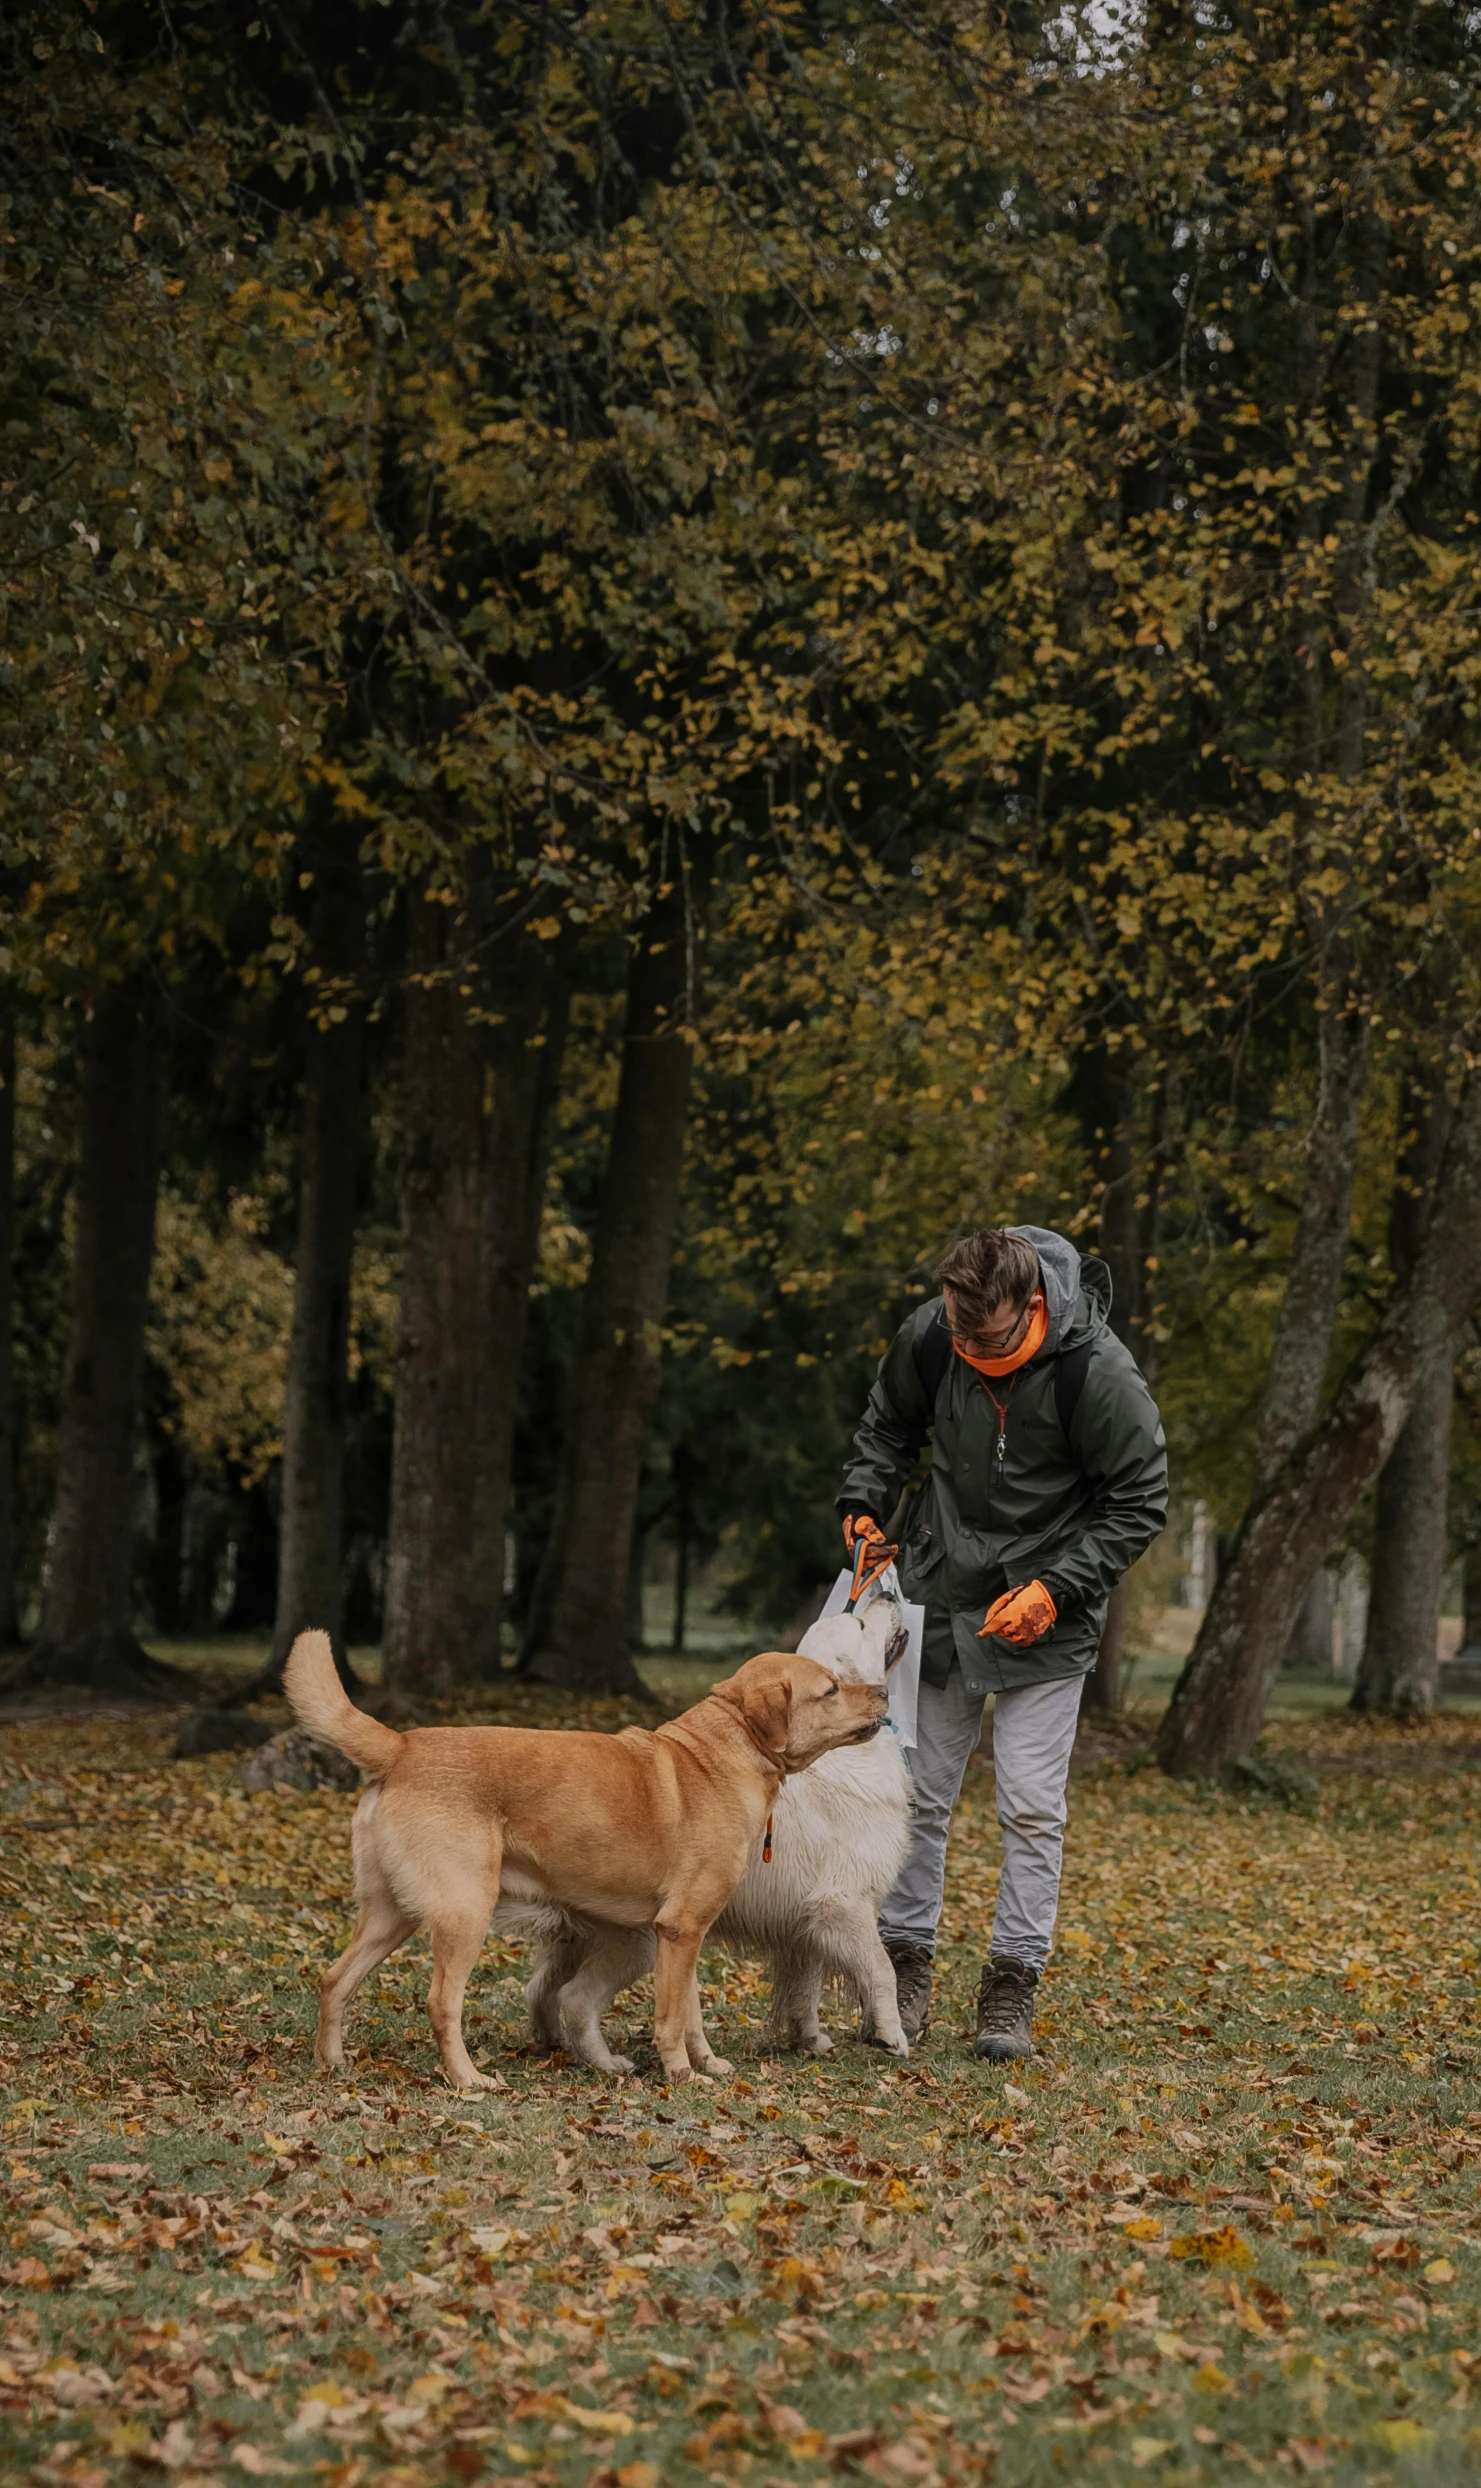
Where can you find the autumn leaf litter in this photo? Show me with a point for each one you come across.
(1227, 2219)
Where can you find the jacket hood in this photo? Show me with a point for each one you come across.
(1077, 1293)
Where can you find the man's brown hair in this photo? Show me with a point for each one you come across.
(984, 1271)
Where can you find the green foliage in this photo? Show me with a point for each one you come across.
(1004, 490)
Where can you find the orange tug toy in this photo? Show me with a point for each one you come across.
(871, 1551)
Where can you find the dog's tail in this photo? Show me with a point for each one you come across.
(321, 1702)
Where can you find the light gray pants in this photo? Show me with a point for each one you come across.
(1033, 1731)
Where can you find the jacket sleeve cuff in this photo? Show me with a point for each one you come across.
(1065, 1597)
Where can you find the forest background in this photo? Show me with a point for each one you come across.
(653, 657)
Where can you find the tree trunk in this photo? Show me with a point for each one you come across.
(1470, 1629)
(167, 1559)
(311, 1509)
(1103, 1690)
(683, 1466)
(9, 1604)
(1218, 1705)
(1310, 1644)
(1313, 1292)
(1400, 1669)
(617, 1378)
(527, 1053)
(1107, 1093)
(86, 1635)
(432, 1628)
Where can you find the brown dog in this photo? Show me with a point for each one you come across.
(649, 1828)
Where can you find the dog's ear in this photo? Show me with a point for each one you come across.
(766, 1708)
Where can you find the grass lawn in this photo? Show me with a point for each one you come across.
(1226, 2221)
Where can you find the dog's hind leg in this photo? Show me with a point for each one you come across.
(614, 1957)
(380, 1927)
(559, 1958)
(457, 1911)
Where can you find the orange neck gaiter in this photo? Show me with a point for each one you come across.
(1029, 1345)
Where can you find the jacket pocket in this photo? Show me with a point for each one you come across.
(922, 1551)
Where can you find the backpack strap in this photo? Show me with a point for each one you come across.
(1070, 1371)
(932, 1354)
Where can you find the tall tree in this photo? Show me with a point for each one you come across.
(1105, 1090)
(1219, 1701)
(9, 1617)
(1400, 1668)
(1313, 1288)
(87, 1635)
(311, 1510)
(531, 1008)
(432, 1632)
(615, 1384)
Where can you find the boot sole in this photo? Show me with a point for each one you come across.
(1001, 2051)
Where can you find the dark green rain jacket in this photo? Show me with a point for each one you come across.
(1073, 1513)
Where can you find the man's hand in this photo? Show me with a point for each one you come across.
(870, 1549)
(1021, 1617)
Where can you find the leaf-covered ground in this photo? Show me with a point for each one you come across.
(1227, 2220)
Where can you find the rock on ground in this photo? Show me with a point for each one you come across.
(294, 1759)
(217, 1732)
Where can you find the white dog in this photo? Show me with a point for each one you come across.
(839, 1835)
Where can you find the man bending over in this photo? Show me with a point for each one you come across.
(1048, 1478)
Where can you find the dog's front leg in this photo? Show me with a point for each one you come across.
(701, 2055)
(679, 1940)
(855, 1949)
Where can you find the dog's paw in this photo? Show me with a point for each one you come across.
(817, 2044)
(717, 2067)
(612, 2064)
(890, 2043)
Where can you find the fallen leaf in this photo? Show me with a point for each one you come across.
(597, 2422)
(1400, 2435)
(1215, 2246)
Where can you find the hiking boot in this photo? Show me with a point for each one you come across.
(1005, 2010)
(912, 1967)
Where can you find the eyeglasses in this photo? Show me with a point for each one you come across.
(985, 1342)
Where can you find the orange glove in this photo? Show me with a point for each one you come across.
(1021, 1616)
